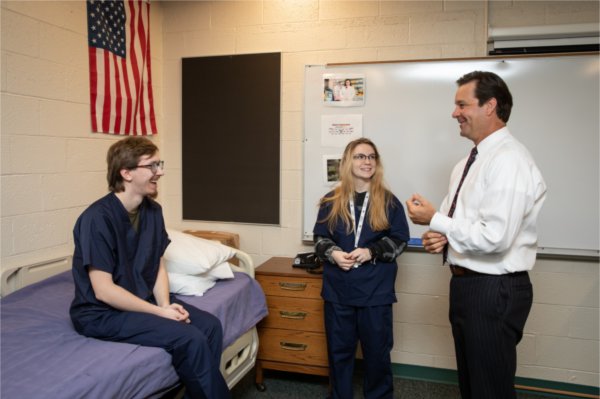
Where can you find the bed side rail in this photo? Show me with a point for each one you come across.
(21, 276)
(246, 264)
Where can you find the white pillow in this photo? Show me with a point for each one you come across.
(219, 272)
(190, 285)
(190, 255)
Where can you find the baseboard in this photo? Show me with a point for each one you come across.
(551, 389)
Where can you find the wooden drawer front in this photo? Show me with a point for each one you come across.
(294, 314)
(292, 346)
(290, 286)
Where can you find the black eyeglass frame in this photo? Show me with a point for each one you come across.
(363, 157)
(153, 167)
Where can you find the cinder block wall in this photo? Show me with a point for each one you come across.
(52, 167)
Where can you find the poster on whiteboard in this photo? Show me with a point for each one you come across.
(344, 90)
(339, 130)
(331, 169)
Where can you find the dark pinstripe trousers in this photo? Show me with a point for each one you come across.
(487, 314)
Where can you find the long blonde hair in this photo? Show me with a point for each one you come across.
(379, 195)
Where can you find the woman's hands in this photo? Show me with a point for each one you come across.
(346, 261)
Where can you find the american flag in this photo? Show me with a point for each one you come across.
(121, 99)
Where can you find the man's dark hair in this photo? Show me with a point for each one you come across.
(125, 154)
(490, 85)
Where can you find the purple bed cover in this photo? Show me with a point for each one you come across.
(42, 356)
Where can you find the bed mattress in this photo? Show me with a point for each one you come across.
(42, 356)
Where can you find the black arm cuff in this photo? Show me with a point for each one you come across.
(387, 249)
(322, 246)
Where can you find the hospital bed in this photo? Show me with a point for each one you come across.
(42, 356)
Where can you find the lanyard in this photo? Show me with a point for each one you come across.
(358, 229)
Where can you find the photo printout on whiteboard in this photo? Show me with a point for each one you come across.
(343, 90)
(331, 169)
(339, 130)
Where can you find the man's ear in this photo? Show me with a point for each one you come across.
(490, 106)
(126, 175)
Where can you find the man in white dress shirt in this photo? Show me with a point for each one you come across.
(486, 229)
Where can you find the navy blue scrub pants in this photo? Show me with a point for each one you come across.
(488, 314)
(195, 348)
(344, 327)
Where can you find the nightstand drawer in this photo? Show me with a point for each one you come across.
(294, 314)
(296, 287)
(292, 346)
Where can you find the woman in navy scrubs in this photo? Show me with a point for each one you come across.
(360, 231)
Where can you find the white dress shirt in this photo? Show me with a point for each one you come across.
(493, 229)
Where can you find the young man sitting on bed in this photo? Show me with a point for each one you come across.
(121, 285)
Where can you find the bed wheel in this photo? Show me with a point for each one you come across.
(260, 387)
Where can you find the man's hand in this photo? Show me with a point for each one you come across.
(434, 242)
(420, 211)
(119, 298)
(175, 311)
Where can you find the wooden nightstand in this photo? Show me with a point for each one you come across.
(292, 337)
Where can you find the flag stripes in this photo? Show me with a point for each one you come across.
(121, 97)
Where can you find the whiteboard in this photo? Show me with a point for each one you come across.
(406, 111)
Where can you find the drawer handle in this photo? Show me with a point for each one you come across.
(292, 315)
(292, 346)
(292, 286)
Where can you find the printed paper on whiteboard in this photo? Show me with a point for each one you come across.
(339, 130)
(343, 90)
(331, 168)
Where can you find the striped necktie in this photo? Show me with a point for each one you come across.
(470, 161)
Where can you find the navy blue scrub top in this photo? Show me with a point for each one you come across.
(105, 239)
(369, 284)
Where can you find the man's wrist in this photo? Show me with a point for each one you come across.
(440, 223)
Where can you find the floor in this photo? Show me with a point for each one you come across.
(282, 385)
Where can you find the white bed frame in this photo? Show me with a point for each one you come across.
(237, 359)
(240, 357)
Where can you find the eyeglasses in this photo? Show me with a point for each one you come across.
(153, 166)
(363, 157)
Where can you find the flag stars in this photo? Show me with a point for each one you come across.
(106, 26)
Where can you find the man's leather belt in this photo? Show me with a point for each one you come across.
(463, 271)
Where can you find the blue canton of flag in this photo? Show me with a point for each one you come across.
(106, 26)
